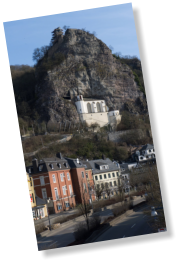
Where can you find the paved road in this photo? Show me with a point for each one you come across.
(133, 225)
(64, 235)
(71, 212)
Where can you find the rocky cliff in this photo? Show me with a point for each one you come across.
(87, 67)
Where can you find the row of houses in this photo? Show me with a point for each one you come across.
(60, 183)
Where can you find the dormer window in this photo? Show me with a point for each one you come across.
(40, 167)
(51, 165)
(59, 165)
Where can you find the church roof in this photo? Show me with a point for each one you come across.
(92, 99)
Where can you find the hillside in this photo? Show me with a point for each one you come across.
(77, 63)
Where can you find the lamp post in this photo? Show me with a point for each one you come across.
(48, 201)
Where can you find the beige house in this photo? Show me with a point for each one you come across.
(104, 172)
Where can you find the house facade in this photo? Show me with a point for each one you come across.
(146, 153)
(90, 180)
(39, 208)
(79, 181)
(105, 172)
(95, 111)
(52, 179)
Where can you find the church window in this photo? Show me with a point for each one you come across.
(89, 107)
(98, 107)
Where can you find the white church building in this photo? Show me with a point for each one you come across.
(95, 111)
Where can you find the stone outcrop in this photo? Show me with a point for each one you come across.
(90, 69)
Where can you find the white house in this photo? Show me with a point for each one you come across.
(95, 111)
(147, 152)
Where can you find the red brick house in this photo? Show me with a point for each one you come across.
(90, 180)
(52, 179)
(79, 180)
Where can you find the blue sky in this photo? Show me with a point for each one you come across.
(114, 25)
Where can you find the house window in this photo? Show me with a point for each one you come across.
(82, 174)
(59, 207)
(109, 175)
(105, 176)
(53, 177)
(102, 185)
(150, 150)
(70, 189)
(100, 176)
(44, 193)
(115, 184)
(86, 175)
(56, 193)
(85, 187)
(61, 176)
(117, 174)
(96, 178)
(30, 182)
(66, 204)
(29, 170)
(113, 175)
(42, 181)
(32, 196)
(110, 183)
(64, 190)
(68, 176)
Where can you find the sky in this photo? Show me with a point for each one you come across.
(114, 25)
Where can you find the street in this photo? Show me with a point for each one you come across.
(65, 234)
(133, 225)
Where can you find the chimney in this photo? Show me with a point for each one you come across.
(35, 165)
(103, 157)
(59, 155)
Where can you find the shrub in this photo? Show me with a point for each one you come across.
(121, 209)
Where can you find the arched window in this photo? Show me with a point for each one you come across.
(98, 107)
(89, 107)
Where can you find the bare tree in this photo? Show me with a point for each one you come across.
(85, 205)
(107, 189)
(98, 191)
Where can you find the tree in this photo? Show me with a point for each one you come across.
(98, 191)
(55, 33)
(39, 53)
(94, 125)
(107, 189)
(65, 27)
(111, 48)
(120, 187)
(85, 206)
(94, 33)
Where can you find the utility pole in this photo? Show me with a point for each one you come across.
(23, 129)
(42, 141)
(33, 129)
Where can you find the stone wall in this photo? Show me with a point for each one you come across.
(116, 136)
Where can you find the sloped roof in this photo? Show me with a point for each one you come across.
(147, 147)
(39, 201)
(107, 161)
(46, 165)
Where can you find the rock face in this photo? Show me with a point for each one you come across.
(90, 69)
